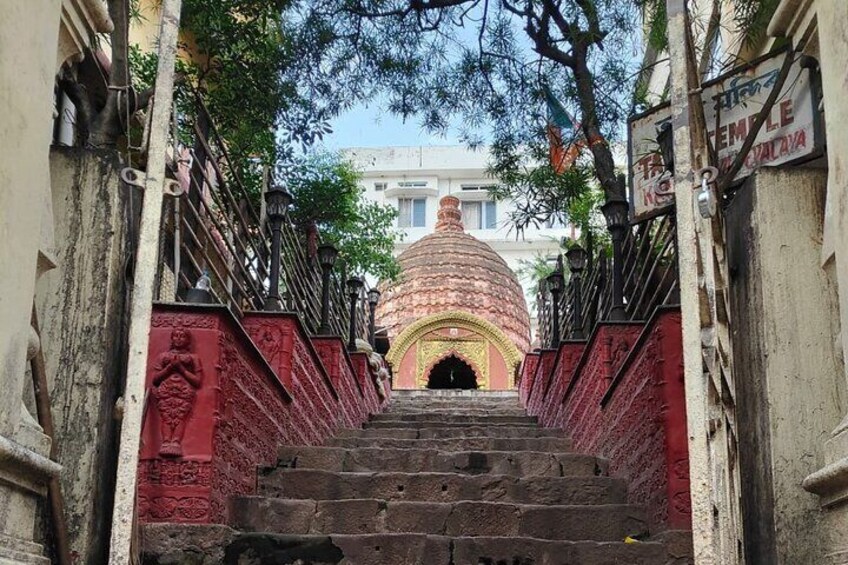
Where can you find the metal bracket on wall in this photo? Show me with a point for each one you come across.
(134, 177)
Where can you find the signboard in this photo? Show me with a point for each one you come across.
(731, 105)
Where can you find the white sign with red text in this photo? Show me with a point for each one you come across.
(731, 106)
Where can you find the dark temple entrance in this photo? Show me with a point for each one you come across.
(452, 372)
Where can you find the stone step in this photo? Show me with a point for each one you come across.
(494, 404)
(514, 463)
(403, 411)
(453, 432)
(440, 487)
(438, 424)
(607, 522)
(454, 394)
(431, 404)
(168, 544)
(459, 444)
(464, 419)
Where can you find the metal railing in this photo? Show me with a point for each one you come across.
(216, 228)
(650, 279)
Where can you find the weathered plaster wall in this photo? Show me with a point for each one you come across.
(790, 391)
(81, 309)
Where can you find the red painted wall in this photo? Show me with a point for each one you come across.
(542, 372)
(226, 406)
(554, 379)
(624, 400)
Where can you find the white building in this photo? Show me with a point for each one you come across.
(413, 179)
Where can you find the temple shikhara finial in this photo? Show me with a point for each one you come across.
(449, 215)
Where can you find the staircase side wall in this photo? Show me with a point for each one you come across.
(526, 373)
(550, 402)
(644, 426)
(538, 380)
(233, 407)
(620, 396)
(334, 357)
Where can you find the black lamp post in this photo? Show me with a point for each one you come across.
(326, 258)
(277, 202)
(616, 214)
(373, 299)
(354, 287)
(577, 259)
(556, 284)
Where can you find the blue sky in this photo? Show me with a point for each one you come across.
(372, 126)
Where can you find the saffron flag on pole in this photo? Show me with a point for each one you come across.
(562, 155)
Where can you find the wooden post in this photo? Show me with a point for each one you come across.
(124, 509)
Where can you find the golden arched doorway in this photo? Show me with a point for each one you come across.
(476, 341)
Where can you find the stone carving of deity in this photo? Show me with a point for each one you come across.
(177, 376)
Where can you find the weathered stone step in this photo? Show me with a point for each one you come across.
(608, 522)
(454, 393)
(557, 444)
(438, 424)
(518, 463)
(453, 432)
(496, 404)
(403, 411)
(169, 544)
(455, 419)
(440, 487)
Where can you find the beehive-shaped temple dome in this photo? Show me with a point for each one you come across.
(452, 274)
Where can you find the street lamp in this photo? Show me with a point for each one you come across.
(373, 299)
(326, 258)
(354, 287)
(577, 259)
(616, 214)
(556, 284)
(277, 202)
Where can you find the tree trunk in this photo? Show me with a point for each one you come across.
(106, 127)
(601, 154)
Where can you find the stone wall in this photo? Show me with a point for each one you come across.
(219, 407)
(620, 396)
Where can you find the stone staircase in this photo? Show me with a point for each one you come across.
(441, 478)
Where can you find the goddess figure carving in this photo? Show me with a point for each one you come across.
(177, 376)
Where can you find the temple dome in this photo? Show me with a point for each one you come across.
(449, 270)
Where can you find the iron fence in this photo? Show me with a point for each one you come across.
(216, 230)
(650, 279)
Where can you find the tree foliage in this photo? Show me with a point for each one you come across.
(481, 64)
(327, 195)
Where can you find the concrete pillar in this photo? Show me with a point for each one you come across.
(830, 482)
(28, 43)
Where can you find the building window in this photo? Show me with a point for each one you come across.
(412, 212)
(379, 186)
(479, 215)
(413, 184)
